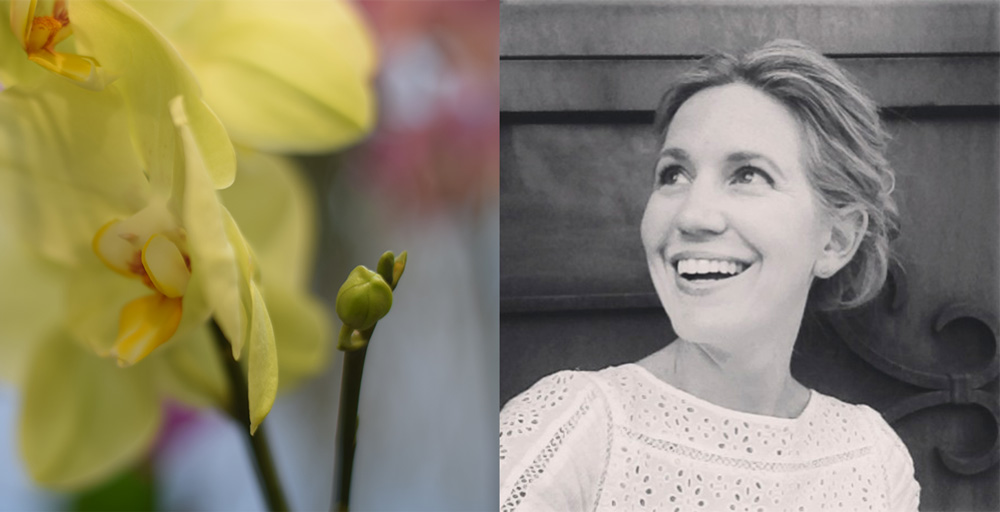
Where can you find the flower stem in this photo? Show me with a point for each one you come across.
(239, 410)
(347, 427)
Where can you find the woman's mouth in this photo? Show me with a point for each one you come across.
(706, 269)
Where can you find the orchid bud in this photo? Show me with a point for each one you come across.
(397, 269)
(363, 299)
(385, 266)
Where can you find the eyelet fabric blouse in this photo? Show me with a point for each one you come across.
(621, 439)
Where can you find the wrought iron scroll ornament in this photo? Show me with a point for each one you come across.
(942, 388)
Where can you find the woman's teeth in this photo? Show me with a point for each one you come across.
(709, 269)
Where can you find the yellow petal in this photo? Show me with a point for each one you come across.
(302, 333)
(94, 300)
(22, 12)
(262, 367)
(165, 266)
(144, 324)
(276, 213)
(82, 420)
(123, 41)
(197, 312)
(191, 370)
(67, 167)
(113, 250)
(209, 248)
(31, 299)
(262, 370)
(290, 76)
(16, 68)
(83, 71)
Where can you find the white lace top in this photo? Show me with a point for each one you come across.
(621, 439)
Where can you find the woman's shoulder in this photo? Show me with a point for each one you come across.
(555, 440)
(854, 419)
(884, 444)
(844, 411)
(565, 387)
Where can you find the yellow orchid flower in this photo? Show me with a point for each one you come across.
(38, 36)
(82, 418)
(68, 182)
(137, 245)
(131, 51)
(181, 242)
(283, 76)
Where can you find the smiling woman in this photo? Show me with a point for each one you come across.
(770, 191)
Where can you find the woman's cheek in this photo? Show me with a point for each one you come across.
(652, 227)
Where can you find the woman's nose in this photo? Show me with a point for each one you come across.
(701, 212)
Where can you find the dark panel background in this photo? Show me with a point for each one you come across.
(578, 85)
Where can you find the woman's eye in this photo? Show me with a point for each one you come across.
(750, 175)
(671, 175)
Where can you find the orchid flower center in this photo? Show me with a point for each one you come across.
(39, 36)
(47, 31)
(150, 249)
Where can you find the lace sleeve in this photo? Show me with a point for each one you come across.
(554, 442)
(902, 488)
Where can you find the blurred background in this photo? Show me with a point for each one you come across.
(427, 181)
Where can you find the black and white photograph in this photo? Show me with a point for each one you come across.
(749, 255)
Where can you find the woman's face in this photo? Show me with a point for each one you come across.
(733, 229)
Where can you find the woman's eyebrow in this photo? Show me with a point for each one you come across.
(676, 154)
(744, 156)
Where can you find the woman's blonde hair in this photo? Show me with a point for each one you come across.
(845, 143)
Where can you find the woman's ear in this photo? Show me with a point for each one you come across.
(847, 230)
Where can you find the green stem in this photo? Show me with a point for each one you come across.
(239, 410)
(347, 426)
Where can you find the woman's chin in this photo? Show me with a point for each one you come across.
(709, 331)
(721, 330)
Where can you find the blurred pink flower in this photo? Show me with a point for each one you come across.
(438, 140)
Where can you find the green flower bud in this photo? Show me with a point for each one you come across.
(385, 265)
(397, 269)
(363, 299)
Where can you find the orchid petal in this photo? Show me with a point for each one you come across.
(262, 367)
(112, 249)
(302, 331)
(84, 71)
(191, 371)
(145, 324)
(282, 229)
(127, 44)
(63, 165)
(82, 419)
(262, 364)
(95, 299)
(289, 76)
(31, 299)
(16, 68)
(211, 253)
(165, 266)
(281, 232)
(21, 14)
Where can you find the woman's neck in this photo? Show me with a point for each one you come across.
(750, 380)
